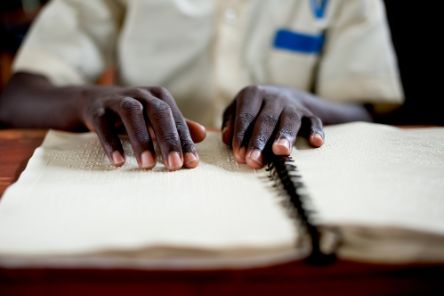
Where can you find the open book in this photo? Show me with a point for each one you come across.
(381, 186)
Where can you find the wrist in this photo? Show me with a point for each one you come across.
(66, 104)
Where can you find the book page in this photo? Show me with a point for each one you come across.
(382, 185)
(70, 200)
(369, 174)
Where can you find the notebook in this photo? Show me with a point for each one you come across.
(379, 188)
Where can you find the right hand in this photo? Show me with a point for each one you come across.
(147, 114)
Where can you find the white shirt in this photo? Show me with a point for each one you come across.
(205, 51)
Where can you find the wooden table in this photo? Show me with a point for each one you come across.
(342, 278)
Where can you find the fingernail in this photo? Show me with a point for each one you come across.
(190, 160)
(147, 160)
(282, 147)
(118, 159)
(240, 155)
(316, 140)
(198, 124)
(255, 156)
(174, 161)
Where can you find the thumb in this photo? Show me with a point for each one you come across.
(197, 131)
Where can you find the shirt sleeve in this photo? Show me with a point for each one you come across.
(71, 41)
(358, 62)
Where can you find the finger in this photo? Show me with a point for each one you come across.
(130, 112)
(197, 131)
(316, 136)
(152, 134)
(107, 136)
(227, 132)
(289, 125)
(248, 105)
(162, 120)
(228, 123)
(190, 156)
(264, 127)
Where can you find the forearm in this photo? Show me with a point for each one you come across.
(32, 101)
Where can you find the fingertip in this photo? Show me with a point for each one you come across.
(200, 135)
(316, 140)
(239, 154)
(117, 159)
(174, 161)
(191, 160)
(147, 160)
(281, 147)
(254, 159)
(198, 131)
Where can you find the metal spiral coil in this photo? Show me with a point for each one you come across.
(287, 180)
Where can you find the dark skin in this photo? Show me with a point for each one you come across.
(259, 117)
(146, 114)
(269, 117)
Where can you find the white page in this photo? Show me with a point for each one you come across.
(70, 201)
(385, 185)
(368, 174)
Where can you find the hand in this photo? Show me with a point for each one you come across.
(265, 117)
(146, 114)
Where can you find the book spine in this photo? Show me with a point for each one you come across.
(287, 180)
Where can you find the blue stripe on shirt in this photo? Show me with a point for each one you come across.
(298, 42)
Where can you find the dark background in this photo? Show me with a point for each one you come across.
(416, 33)
(417, 36)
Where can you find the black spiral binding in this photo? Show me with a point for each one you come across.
(286, 178)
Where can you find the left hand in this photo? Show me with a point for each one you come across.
(264, 117)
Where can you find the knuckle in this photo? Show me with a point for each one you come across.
(160, 107)
(188, 146)
(97, 112)
(259, 141)
(160, 91)
(268, 120)
(245, 117)
(240, 136)
(141, 136)
(130, 105)
(252, 89)
(184, 134)
(244, 121)
(140, 92)
(181, 127)
(316, 120)
(287, 132)
(292, 116)
(169, 138)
